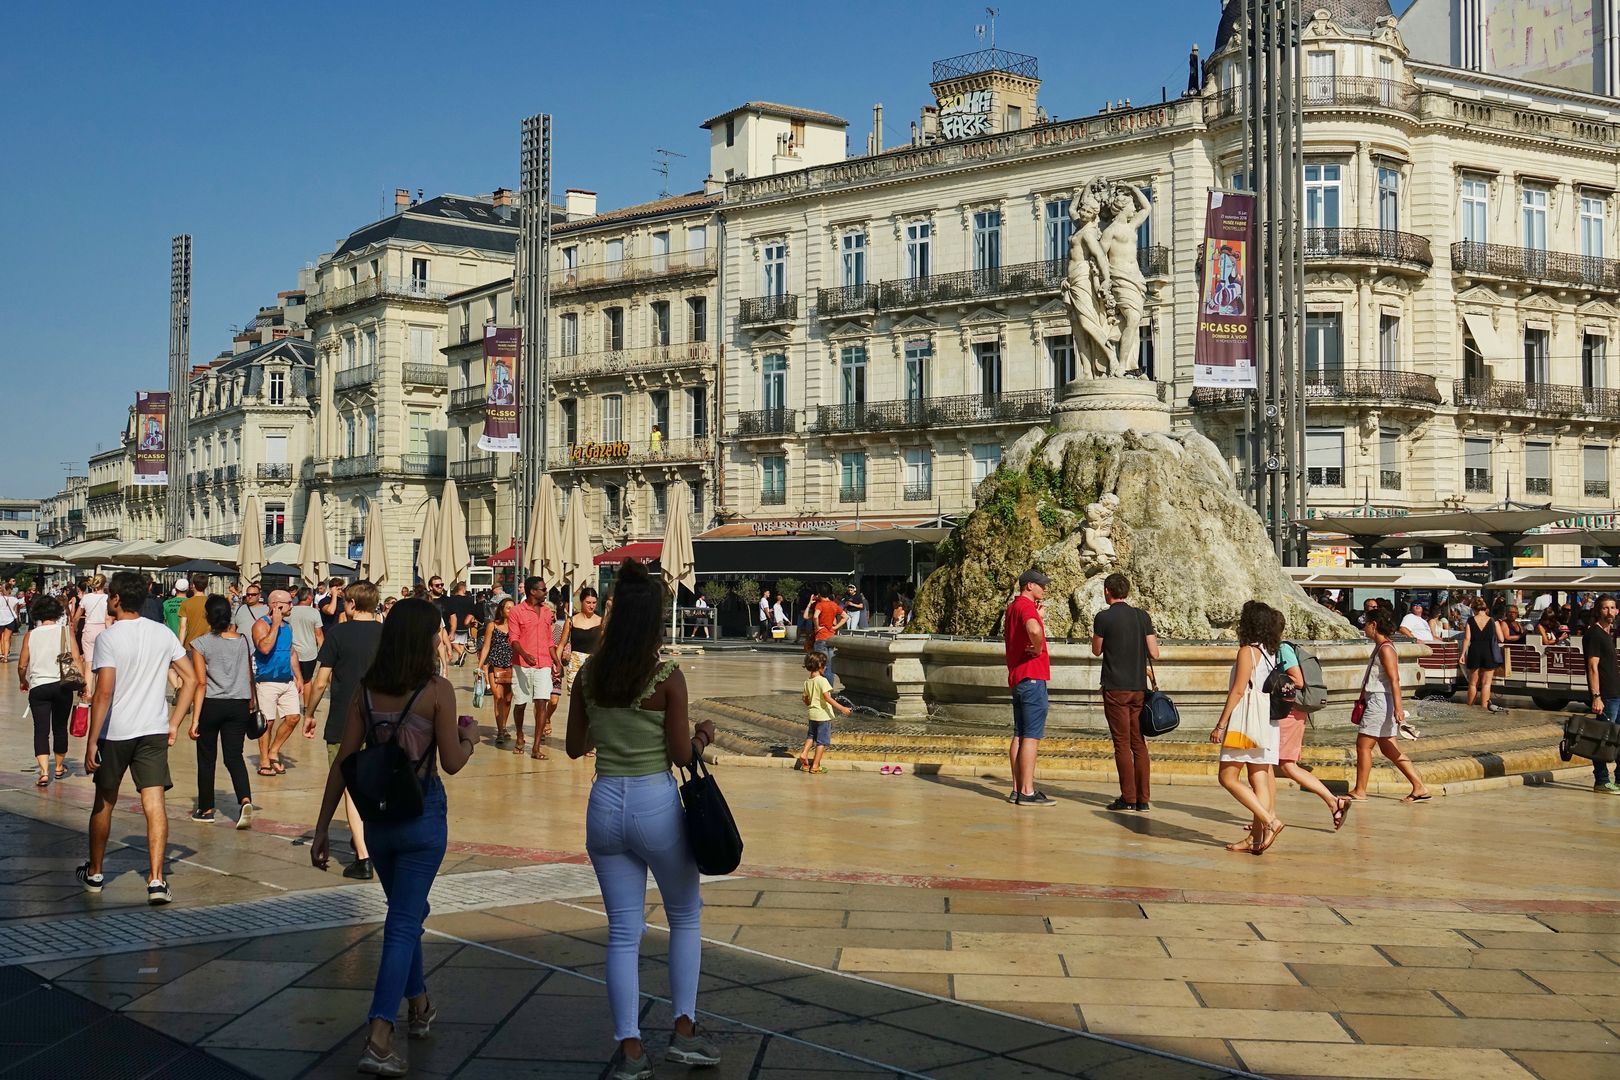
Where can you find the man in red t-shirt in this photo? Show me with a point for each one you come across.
(533, 655)
(829, 617)
(1029, 668)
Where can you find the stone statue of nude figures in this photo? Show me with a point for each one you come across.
(1104, 289)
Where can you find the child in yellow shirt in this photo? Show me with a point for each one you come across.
(819, 700)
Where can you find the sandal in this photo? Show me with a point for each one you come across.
(61, 772)
(1246, 844)
(265, 770)
(279, 768)
(1425, 797)
(520, 746)
(1342, 811)
(43, 781)
(1270, 834)
(539, 755)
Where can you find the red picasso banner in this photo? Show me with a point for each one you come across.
(501, 348)
(151, 438)
(1223, 351)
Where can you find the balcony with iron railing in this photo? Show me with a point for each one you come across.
(1328, 92)
(350, 378)
(768, 310)
(228, 539)
(1384, 247)
(1477, 480)
(618, 453)
(468, 397)
(852, 493)
(382, 287)
(483, 545)
(846, 301)
(1017, 407)
(616, 361)
(921, 492)
(1389, 479)
(969, 286)
(426, 375)
(1499, 262)
(364, 465)
(766, 422)
(1538, 485)
(275, 470)
(1325, 476)
(473, 469)
(1489, 394)
(1392, 388)
(773, 496)
(1596, 489)
(608, 274)
(422, 464)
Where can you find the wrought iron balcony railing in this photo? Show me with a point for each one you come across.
(773, 496)
(852, 493)
(228, 539)
(969, 285)
(1502, 395)
(364, 465)
(275, 471)
(463, 397)
(1538, 485)
(1476, 480)
(1345, 384)
(919, 492)
(426, 375)
(847, 300)
(618, 453)
(1472, 259)
(363, 375)
(482, 547)
(1325, 476)
(1154, 260)
(422, 464)
(1374, 245)
(767, 310)
(1389, 479)
(381, 287)
(614, 361)
(473, 468)
(1596, 489)
(767, 422)
(600, 275)
(1021, 406)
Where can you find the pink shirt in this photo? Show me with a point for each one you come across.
(531, 629)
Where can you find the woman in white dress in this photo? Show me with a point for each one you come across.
(1381, 720)
(1257, 633)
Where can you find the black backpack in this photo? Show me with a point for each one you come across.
(380, 778)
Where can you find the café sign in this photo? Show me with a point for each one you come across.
(800, 524)
(597, 453)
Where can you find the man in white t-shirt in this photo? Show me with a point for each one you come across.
(1415, 625)
(131, 726)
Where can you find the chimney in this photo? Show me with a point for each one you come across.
(877, 128)
(579, 203)
(501, 197)
(402, 199)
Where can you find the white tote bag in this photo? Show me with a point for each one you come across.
(1250, 731)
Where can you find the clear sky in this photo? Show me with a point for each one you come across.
(269, 131)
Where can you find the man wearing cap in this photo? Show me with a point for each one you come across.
(1029, 668)
(1123, 636)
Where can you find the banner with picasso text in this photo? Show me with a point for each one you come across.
(501, 348)
(1223, 350)
(151, 438)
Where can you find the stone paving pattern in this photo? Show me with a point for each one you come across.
(886, 926)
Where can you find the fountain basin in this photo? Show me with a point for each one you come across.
(916, 676)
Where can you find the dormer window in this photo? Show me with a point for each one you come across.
(278, 388)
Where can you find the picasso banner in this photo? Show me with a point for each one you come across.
(1223, 350)
(151, 438)
(501, 348)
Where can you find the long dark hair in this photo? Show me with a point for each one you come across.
(627, 655)
(407, 652)
(1257, 627)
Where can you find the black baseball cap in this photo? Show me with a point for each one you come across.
(1032, 576)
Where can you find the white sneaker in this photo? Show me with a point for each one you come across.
(245, 819)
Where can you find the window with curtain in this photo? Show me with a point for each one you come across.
(1538, 468)
(1058, 228)
(1477, 465)
(1324, 348)
(1324, 457)
(1389, 460)
(1595, 471)
(613, 418)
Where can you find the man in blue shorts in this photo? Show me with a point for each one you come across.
(1029, 668)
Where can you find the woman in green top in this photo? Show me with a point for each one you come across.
(632, 712)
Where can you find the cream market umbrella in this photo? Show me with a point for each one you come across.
(373, 552)
(427, 547)
(543, 543)
(576, 543)
(452, 551)
(191, 549)
(314, 553)
(250, 549)
(675, 561)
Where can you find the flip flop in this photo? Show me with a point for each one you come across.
(896, 771)
(61, 774)
(265, 770)
(280, 769)
(1342, 811)
(43, 781)
(1425, 797)
(885, 770)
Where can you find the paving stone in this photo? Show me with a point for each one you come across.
(186, 1027)
(985, 1030)
(1501, 1033)
(1129, 1020)
(1283, 952)
(1357, 1062)
(904, 920)
(1563, 1065)
(766, 1010)
(1073, 944)
(1322, 999)
(224, 985)
(1087, 991)
(296, 1019)
(1412, 978)
(1231, 971)
(964, 962)
(880, 1044)
(268, 1064)
(1501, 959)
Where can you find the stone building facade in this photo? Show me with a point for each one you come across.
(61, 516)
(1460, 294)
(379, 318)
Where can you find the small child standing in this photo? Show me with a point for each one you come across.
(820, 702)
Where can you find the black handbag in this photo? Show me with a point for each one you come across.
(710, 829)
(1159, 714)
(381, 780)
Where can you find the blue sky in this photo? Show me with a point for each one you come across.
(270, 131)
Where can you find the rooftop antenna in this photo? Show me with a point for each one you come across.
(662, 168)
(979, 30)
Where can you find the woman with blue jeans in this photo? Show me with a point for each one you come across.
(632, 712)
(402, 699)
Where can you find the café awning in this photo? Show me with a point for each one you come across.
(643, 551)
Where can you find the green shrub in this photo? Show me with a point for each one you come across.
(747, 590)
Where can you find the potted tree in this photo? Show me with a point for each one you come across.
(788, 589)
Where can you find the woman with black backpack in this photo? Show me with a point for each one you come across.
(401, 730)
(631, 709)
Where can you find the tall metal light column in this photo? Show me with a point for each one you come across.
(179, 385)
(531, 297)
(1273, 154)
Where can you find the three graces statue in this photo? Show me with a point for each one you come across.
(1104, 289)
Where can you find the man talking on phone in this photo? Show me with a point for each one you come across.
(129, 732)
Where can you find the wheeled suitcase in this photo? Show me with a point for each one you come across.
(1589, 736)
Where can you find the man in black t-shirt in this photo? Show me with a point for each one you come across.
(346, 654)
(1603, 680)
(458, 610)
(331, 605)
(1123, 636)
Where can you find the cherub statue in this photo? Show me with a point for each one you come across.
(1096, 537)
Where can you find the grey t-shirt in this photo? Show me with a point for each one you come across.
(227, 662)
(304, 622)
(248, 614)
